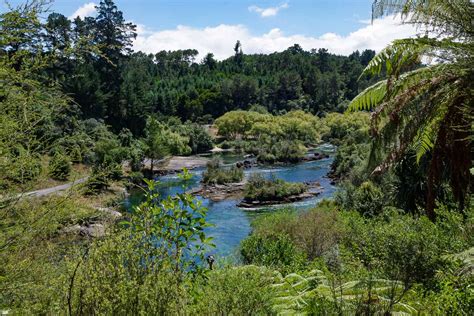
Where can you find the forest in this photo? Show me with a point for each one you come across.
(114, 164)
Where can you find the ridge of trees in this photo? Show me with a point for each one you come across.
(94, 64)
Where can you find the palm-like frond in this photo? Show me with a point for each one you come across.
(415, 104)
(444, 17)
(295, 292)
(370, 97)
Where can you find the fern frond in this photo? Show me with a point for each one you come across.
(441, 16)
(369, 98)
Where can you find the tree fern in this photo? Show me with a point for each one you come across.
(414, 105)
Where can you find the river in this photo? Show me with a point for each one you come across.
(233, 224)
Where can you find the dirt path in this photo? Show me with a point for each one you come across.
(48, 191)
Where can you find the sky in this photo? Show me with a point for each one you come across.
(262, 26)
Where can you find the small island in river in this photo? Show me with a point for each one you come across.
(221, 183)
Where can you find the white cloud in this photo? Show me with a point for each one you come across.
(220, 40)
(87, 9)
(267, 12)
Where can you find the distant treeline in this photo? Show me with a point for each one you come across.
(109, 81)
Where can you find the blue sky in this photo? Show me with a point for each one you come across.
(308, 17)
(263, 26)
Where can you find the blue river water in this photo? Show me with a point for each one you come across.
(232, 224)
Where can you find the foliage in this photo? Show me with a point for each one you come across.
(281, 138)
(216, 174)
(74, 90)
(59, 167)
(294, 125)
(27, 125)
(315, 293)
(367, 199)
(23, 167)
(426, 109)
(137, 155)
(234, 290)
(274, 150)
(32, 251)
(276, 251)
(161, 141)
(400, 247)
(164, 241)
(342, 126)
(238, 123)
(350, 161)
(199, 139)
(260, 189)
(101, 178)
(315, 232)
(379, 264)
(94, 63)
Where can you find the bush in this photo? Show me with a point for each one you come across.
(148, 267)
(340, 126)
(260, 189)
(350, 160)
(399, 247)
(136, 177)
(59, 167)
(276, 251)
(114, 281)
(367, 199)
(280, 151)
(199, 139)
(215, 174)
(23, 167)
(315, 232)
(136, 154)
(234, 291)
(101, 177)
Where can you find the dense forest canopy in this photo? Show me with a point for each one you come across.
(95, 65)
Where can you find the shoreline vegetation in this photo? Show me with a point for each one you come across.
(220, 183)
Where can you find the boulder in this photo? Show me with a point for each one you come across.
(75, 229)
(93, 230)
(113, 213)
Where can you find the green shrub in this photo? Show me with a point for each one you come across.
(368, 199)
(118, 280)
(215, 174)
(148, 267)
(23, 167)
(318, 293)
(59, 167)
(101, 177)
(234, 291)
(454, 294)
(136, 177)
(399, 247)
(315, 232)
(276, 251)
(199, 139)
(341, 126)
(136, 155)
(280, 151)
(260, 189)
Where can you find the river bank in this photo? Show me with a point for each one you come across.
(175, 164)
(231, 224)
